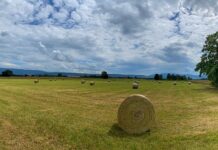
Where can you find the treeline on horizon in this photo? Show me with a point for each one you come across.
(171, 77)
(104, 75)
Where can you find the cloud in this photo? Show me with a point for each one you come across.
(129, 15)
(143, 37)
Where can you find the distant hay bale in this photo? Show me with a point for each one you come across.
(92, 83)
(136, 114)
(174, 83)
(135, 85)
(83, 81)
(189, 83)
(36, 81)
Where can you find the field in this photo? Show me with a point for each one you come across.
(65, 114)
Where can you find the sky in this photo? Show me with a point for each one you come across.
(119, 36)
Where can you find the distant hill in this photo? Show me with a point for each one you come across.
(23, 72)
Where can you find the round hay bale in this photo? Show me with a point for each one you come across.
(135, 85)
(36, 81)
(174, 83)
(189, 83)
(83, 82)
(136, 114)
(92, 83)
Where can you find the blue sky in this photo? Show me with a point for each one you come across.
(120, 36)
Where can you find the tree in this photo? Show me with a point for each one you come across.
(7, 73)
(156, 77)
(209, 59)
(60, 75)
(104, 75)
(169, 77)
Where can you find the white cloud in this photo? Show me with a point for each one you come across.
(116, 35)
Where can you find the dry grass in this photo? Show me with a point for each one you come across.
(67, 115)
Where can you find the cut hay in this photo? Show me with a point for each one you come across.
(92, 83)
(135, 85)
(136, 114)
(83, 81)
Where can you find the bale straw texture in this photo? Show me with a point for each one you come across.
(136, 114)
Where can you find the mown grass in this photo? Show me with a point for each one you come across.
(65, 114)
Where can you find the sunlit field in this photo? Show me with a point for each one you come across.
(65, 114)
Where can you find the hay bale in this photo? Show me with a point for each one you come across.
(136, 114)
(36, 81)
(189, 83)
(174, 83)
(135, 85)
(83, 81)
(92, 83)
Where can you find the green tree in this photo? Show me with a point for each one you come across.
(169, 77)
(156, 77)
(209, 60)
(7, 73)
(60, 75)
(104, 75)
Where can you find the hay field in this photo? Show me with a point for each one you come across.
(66, 114)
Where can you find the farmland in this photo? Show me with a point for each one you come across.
(65, 114)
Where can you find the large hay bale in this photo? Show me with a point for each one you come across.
(92, 83)
(36, 81)
(135, 85)
(83, 81)
(136, 114)
(189, 83)
(174, 83)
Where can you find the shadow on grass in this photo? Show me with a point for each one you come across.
(116, 131)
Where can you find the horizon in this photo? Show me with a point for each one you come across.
(146, 75)
(121, 37)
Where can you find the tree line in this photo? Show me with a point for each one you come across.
(9, 73)
(171, 77)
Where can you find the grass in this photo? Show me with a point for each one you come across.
(65, 114)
